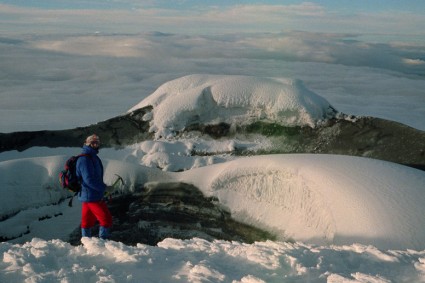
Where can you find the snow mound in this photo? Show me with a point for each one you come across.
(211, 99)
(322, 199)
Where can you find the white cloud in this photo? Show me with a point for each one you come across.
(113, 46)
(43, 76)
(416, 62)
(289, 46)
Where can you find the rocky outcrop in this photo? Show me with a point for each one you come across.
(374, 138)
(176, 210)
(363, 136)
(116, 132)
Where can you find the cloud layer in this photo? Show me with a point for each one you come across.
(82, 79)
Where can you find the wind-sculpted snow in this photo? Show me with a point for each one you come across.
(209, 99)
(277, 198)
(322, 198)
(29, 183)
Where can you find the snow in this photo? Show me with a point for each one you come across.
(198, 260)
(212, 99)
(323, 199)
(336, 218)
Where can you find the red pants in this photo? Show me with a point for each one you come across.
(93, 211)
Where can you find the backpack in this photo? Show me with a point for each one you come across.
(68, 177)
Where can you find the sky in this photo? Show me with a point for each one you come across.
(200, 17)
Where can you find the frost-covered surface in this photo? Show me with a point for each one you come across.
(211, 99)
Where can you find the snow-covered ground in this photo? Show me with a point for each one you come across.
(337, 218)
(198, 260)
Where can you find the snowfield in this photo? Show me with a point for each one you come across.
(336, 218)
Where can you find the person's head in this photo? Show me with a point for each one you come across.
(93, 141)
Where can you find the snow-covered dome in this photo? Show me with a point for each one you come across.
(210, 99)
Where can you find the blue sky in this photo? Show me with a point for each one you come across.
(382, 17)
(338, 5)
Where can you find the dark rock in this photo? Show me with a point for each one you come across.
(116, 132)
(176, 210)
(366, 137)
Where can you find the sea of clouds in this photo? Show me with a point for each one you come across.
(86, 78)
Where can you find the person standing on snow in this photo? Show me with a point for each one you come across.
(89, 170)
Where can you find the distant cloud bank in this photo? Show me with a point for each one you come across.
(333, 48)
